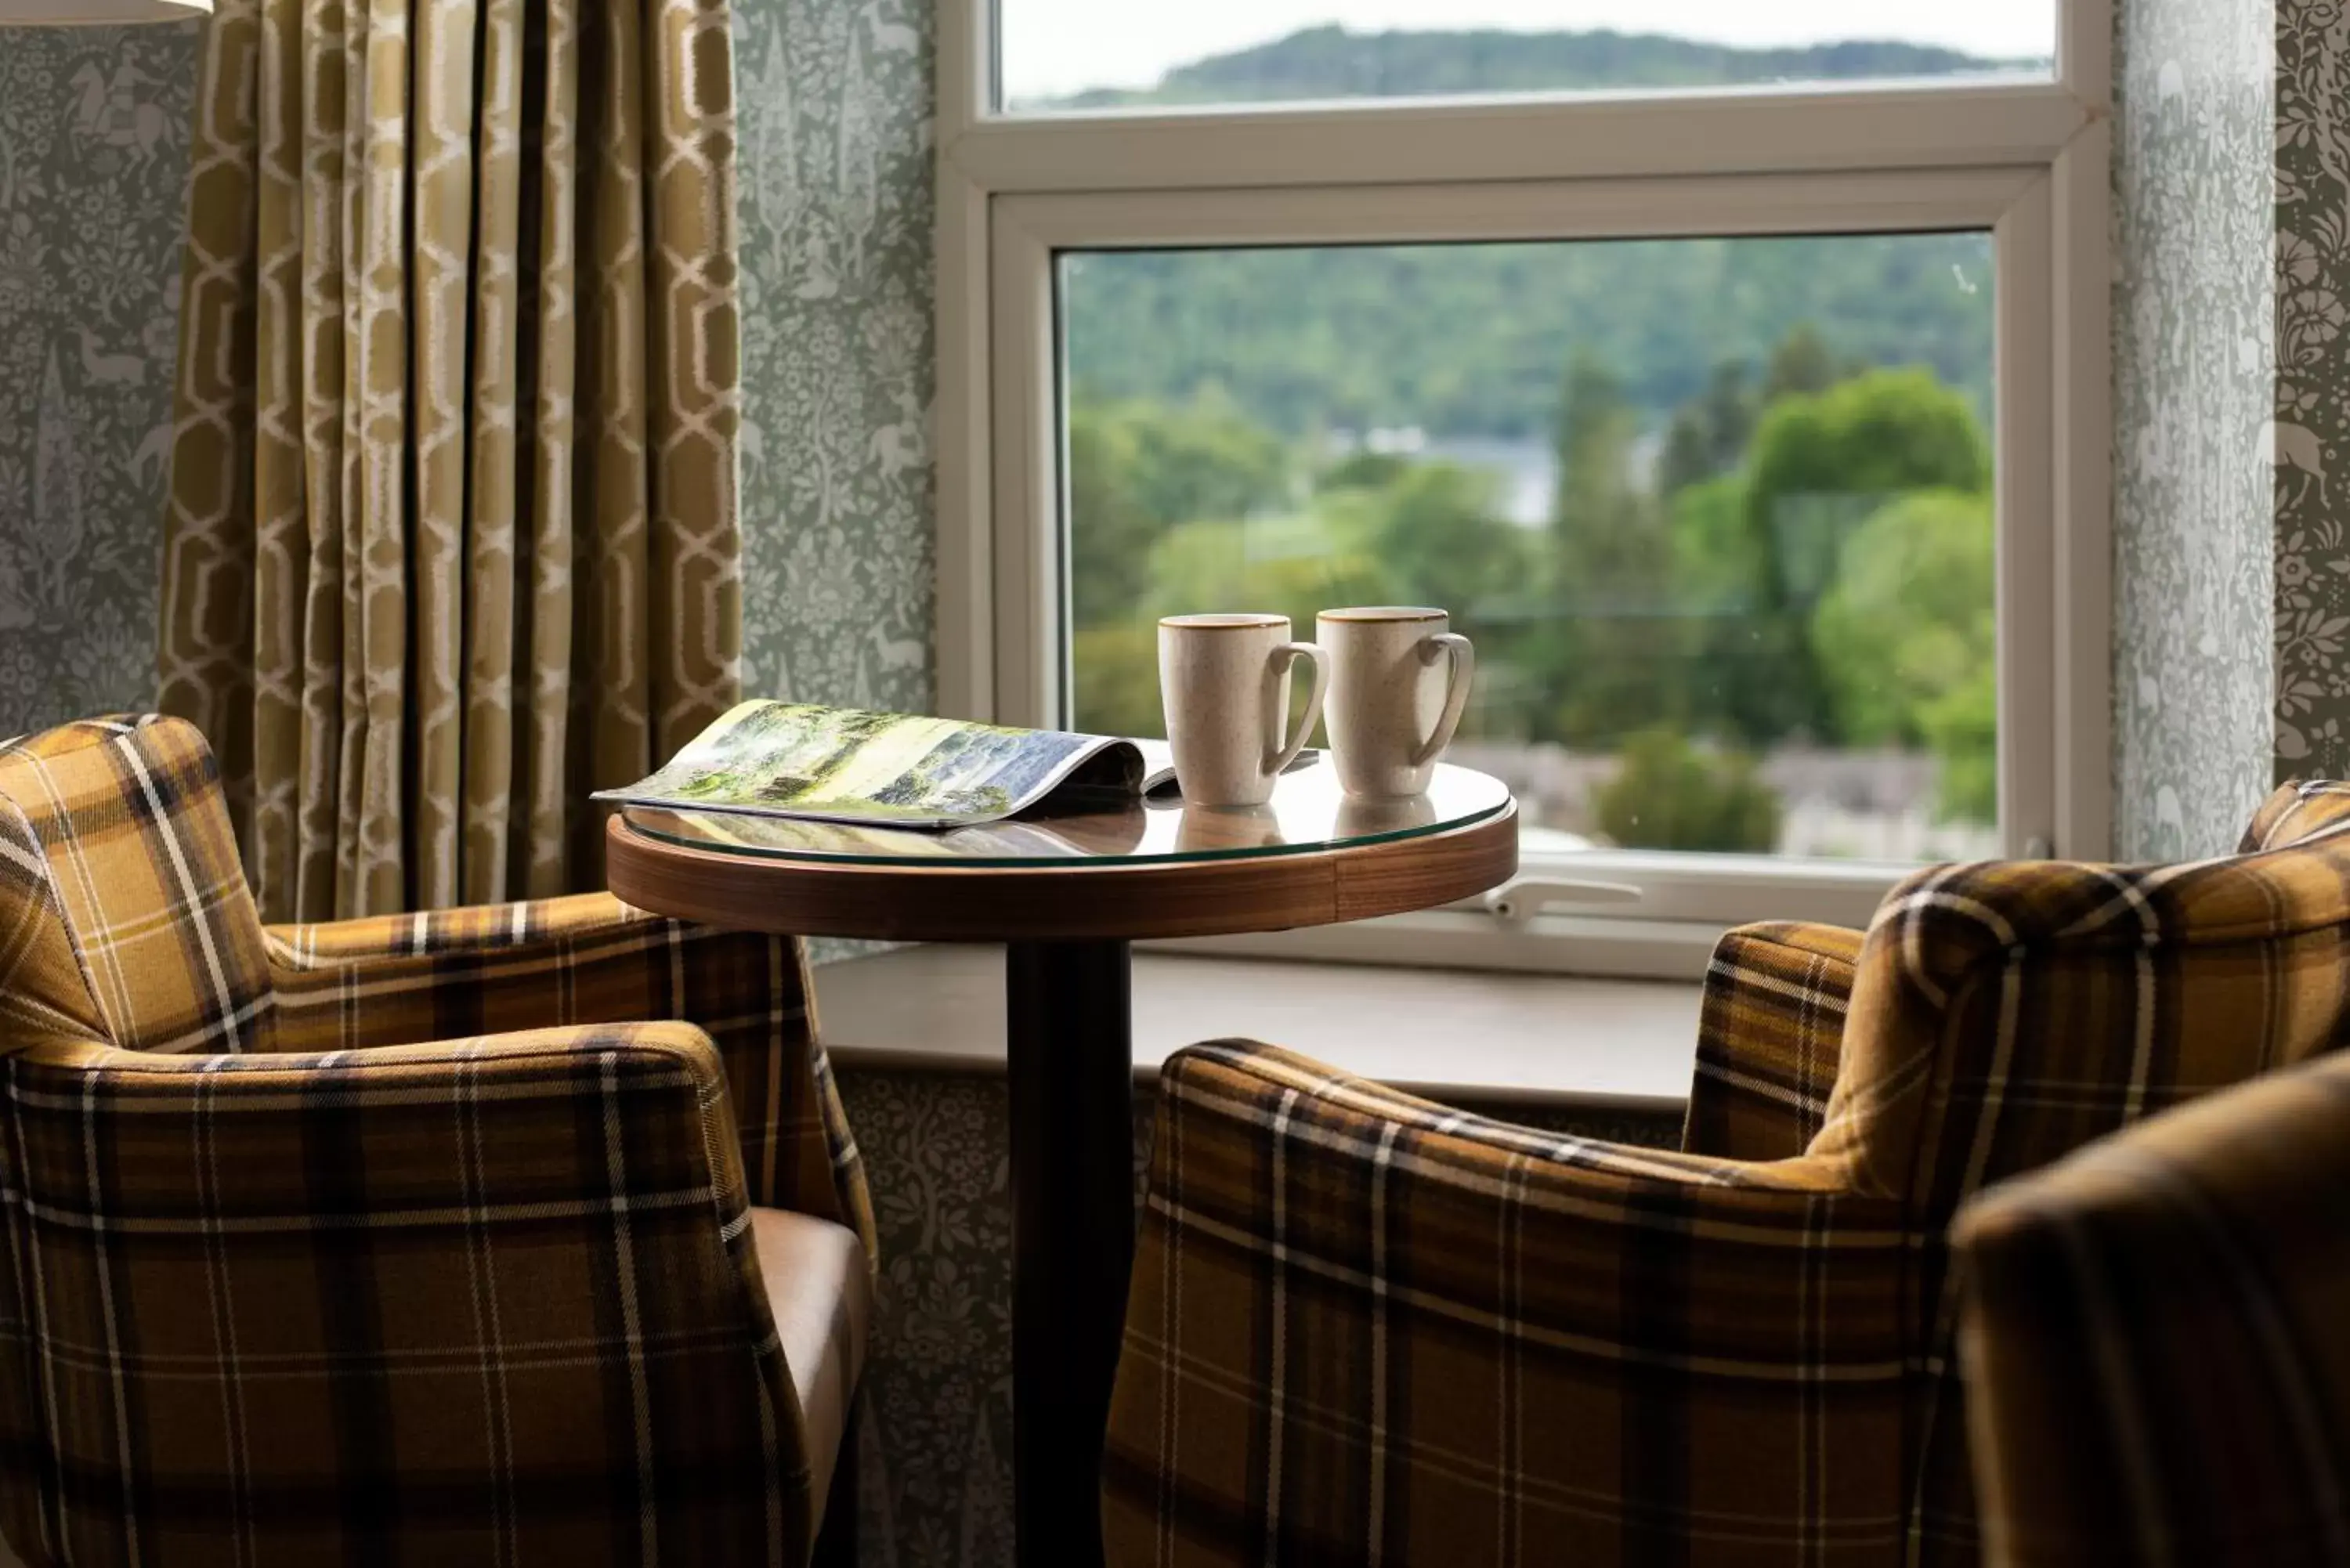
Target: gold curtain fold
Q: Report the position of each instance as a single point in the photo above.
(453, 536)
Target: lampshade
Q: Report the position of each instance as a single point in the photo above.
(70, 13)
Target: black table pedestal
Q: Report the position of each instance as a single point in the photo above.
(1070, 1065)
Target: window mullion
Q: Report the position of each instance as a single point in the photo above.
(1484, 141)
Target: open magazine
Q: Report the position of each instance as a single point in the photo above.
(1037, 838)
(887, 770)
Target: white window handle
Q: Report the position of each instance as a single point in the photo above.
(1521, 900)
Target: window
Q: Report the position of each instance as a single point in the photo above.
(1732, 586)
(1758, 437)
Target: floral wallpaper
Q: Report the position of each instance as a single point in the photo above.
(2192, 356)
(93, 181)
(836, 103)
(2313, 389)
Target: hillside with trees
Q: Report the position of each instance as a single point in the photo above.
(1810, 568)
(1472, 338)
(1662, 313)
(1336, 62)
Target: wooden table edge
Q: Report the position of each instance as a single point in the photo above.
(929, 902)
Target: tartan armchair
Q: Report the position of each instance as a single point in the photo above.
(527, 1234)
(2154, 1339)
(1367, 1328)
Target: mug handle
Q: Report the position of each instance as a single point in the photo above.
(1456, 691)
(1289, 653)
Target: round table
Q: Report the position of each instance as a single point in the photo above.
(1067, 887)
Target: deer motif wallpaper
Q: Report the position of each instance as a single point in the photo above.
(2194, 531)
(834, 102)
(93, 184)
(2310, 438)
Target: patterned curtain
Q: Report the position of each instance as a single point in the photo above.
(452, 533)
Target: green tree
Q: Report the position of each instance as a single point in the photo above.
(1611, 659)
(1110, 561)
(1908, 640)
(1715, 567)
(1802, 365)
(1909, 618)
(1881, 433)
(1206, 459)
(1286, 566)
(1715, 563)
(1821, 466)
(1140, 468)
(1671, 795)
(1363, 470)
(1598, 503)
(1962, 728)
(1437, 532)
(1116, 679)
(1709, 433)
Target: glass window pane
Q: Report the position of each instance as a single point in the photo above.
(1063, 55)
(1717, 512)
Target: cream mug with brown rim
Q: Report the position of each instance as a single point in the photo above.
(1399, 677)
(1225, 683)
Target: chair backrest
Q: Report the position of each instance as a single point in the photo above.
(2004, 1014)
(123, 907)
(2153, 1333)
(2296, 813)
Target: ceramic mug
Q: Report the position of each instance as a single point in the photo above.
(1225, 683)
(1399, 677)
(1364, 816)
(1207, 828)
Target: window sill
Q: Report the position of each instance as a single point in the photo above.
(1496, 1038)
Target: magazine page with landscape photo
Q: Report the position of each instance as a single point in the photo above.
(894, 769)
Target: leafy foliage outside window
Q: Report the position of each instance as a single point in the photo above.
(1674, 795)
(1795, 559)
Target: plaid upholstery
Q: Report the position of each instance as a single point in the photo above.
(1365, 1328)
(2154, 1334)
(2295, 811)
(590, 959)
(124, 903)
(1767, 1033)
(419, 1239)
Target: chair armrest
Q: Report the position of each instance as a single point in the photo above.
(475, 1274)
(1449, 1337)
(590, 959)
(1769, 1033)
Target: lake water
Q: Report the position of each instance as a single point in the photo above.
(1527, 470)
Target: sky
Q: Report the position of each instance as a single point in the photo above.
(1056, 47)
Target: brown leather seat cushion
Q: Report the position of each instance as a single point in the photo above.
(822, 1296)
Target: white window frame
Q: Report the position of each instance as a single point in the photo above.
(2026, 160)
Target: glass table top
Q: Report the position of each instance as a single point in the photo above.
(1307, 813)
